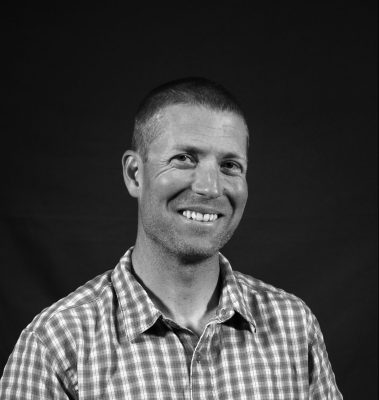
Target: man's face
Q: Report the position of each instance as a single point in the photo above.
(193, 186)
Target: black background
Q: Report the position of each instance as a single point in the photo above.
(306, 75)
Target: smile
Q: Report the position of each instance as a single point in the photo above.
(199, 216)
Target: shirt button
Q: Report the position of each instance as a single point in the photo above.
(198, 358)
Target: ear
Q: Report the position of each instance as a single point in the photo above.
(131, 166)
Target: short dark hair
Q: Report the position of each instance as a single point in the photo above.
(193, 91)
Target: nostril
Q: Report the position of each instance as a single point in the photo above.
(207, 186)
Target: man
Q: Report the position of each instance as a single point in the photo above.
(172, 320)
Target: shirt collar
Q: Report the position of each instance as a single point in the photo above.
(140, 312)
(232, 296)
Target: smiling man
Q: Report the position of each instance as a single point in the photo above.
(173, 320)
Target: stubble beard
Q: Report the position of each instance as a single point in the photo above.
(186, 251)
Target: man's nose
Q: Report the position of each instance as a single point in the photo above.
(207, 180)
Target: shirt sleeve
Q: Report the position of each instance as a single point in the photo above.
(322, 383)
(31, 373)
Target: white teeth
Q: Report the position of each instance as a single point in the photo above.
(199, 216)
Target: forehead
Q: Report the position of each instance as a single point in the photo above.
(193, 124)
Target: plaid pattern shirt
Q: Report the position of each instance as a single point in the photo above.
(107, 340)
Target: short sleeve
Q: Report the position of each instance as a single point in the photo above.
(31, 373)
(322, 383)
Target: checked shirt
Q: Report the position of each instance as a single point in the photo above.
(107, 340)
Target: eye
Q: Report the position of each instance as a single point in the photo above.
(183, 160)
(232, 167)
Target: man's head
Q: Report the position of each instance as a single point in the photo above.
(192, 91)
(188, 168)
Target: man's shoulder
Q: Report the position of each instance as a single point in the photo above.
(266, 296)
(258, 286)
(85, 299)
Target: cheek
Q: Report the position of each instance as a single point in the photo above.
(169, 185)
(238, 193)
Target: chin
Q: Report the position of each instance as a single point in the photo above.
(196, 254)
(192, 252)
(189, 248)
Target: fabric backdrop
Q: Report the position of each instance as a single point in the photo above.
(306, 75)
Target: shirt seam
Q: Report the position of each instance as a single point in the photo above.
(54, 359)
(95, 299)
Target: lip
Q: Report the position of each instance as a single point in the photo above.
(200, 209)
(200, 223)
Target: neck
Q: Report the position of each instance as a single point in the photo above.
(187, 292)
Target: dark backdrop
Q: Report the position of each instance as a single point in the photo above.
(307, 78)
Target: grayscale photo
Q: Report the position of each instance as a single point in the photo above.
(189, 204)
